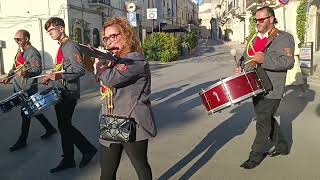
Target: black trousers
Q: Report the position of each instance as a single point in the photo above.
(25, 126)
(69, 134)
(136, 151)
(267, 127)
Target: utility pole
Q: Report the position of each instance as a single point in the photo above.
(152, 19)
(284, 17)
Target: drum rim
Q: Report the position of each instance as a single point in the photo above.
(242, 98)
(238, 75)
(210, 87)
(222, 106)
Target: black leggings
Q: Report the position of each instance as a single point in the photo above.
(136, 151)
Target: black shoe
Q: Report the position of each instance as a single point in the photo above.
(275, 153)
(86, 157)
(63, 165)
(49, 133)
(18, 145)
(250, 164)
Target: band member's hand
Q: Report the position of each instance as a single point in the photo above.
(107, 63)
(46, 79)
(100, 68)
(22, 73)
(103, 65)
(51, 77)
(258, 57)
(5, 81)
(237, 70)
(55, 76)
(252, 63)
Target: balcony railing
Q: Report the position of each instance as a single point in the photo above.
(251, 3)
(230, 6)
(106, 2)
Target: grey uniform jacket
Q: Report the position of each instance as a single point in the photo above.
(74, 69)
(129, 78)
(33, 60)
(278, 59)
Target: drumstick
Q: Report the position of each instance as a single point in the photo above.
(5, 83)
(29, 84)
(42, 75)
(15, 73)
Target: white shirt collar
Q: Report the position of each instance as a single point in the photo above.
(261, 36)
(265, 35)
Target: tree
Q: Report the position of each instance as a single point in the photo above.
(301, 21)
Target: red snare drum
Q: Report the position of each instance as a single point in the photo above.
(231, 90)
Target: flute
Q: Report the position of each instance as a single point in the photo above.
(96, 53)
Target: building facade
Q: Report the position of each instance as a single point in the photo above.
(84, 20)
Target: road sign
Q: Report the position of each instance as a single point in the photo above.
(131, 7)
(132, 18)
(152, 13)
(306, 58)
(284, 2)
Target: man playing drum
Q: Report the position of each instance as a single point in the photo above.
(271, 50)
(68, 59)
(27, 64)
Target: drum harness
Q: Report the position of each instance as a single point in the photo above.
(273, 35)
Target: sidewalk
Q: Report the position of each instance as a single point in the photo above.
(315, 78)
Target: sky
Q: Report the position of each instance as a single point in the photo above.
(198, 1)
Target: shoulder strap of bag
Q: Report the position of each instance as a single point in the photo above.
(145, 84)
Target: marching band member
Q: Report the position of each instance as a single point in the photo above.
(27, 64)
(68, 59)
(126, 83)
(271, 50)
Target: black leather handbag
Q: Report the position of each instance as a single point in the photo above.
(117, 128)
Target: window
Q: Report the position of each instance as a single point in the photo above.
(96, 38)
(86, 36)
(77, 35)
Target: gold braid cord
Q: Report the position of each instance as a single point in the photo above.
(107, 96)
(272, 32)
(250, 46)
(58, 67)
(20, 66)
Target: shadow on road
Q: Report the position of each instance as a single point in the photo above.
(215, 140)
(290, 108)
(172, 110)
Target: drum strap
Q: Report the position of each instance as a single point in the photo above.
(265, 80)
(273, 34)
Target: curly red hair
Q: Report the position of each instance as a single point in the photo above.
(128, 33)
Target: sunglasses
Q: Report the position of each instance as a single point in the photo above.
(18, 39)
(260, 20)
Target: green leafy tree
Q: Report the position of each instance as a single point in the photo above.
(252, 28)
(191, 39)
(301, 21)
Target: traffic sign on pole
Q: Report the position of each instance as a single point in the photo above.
(152, 13)
(283, 2)
(132, 18)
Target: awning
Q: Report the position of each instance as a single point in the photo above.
(172, 28)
